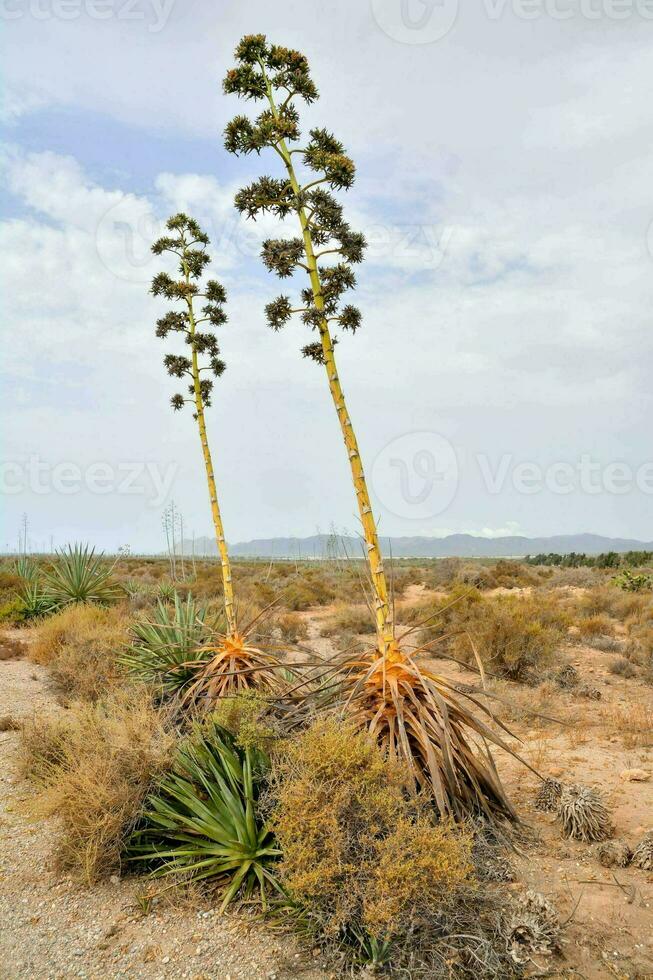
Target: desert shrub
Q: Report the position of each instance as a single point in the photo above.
(596, 625)
(608, 644)
(348, 619)
(13, 611)
(639, 647)
(608, 600)
(10, 583)
(202, 819)
(622, 668)
(365, 866)
(81, 644)
(478, 576)
(515, 636)
(311, 589)
(512, 574)
(441, 615)
(292, 627)
(93, 767)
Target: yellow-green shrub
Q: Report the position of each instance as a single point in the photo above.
(359, 857)
(515, 636)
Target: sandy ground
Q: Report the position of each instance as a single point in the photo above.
(49, 927)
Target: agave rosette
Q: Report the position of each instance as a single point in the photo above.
(423, 722)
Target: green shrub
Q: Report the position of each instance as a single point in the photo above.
(631, 582)
(13, 611)
(348, 619)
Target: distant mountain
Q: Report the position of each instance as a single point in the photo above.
(454, 545)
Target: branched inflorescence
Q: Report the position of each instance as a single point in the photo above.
(281, 76)
(188, 242)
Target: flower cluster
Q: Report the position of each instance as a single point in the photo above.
(279, 76)
(189, 245)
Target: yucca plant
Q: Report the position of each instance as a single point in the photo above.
(414, 714)
(166, 649)
(202, 821)
(236, 662)
(79, 575)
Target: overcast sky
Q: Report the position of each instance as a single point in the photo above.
(501, 382)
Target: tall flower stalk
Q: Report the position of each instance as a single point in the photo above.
(189, 243)
(236, 665)
(278, 76)
(416, 715)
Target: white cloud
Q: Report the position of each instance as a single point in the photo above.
(504, 183)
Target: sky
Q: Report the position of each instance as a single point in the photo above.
(500, 382)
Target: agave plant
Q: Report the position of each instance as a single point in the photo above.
(202, 820)
(167, 649)
(166, 591)
(79, 575)
(235, 656)
(419, 720)
(34, 600)
(413, 713)
(26, 568)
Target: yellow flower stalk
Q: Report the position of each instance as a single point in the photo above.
(416, 715)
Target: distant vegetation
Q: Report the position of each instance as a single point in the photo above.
(609, 559)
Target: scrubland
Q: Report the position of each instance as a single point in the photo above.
(359, 874)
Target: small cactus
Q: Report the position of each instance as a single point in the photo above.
(567, 676)
(548, 796)
(643, 853)
(589, 692)
(613, 853)
(531, 928)
(583, 814)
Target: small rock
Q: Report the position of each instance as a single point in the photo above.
(635, 776)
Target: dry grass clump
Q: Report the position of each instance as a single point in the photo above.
(93, 767)
(622, 668)
(348, 619)
(594, 626)
(632, 723)
(80, 645)
(292, 627)
(583, 814)
(358, 857)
